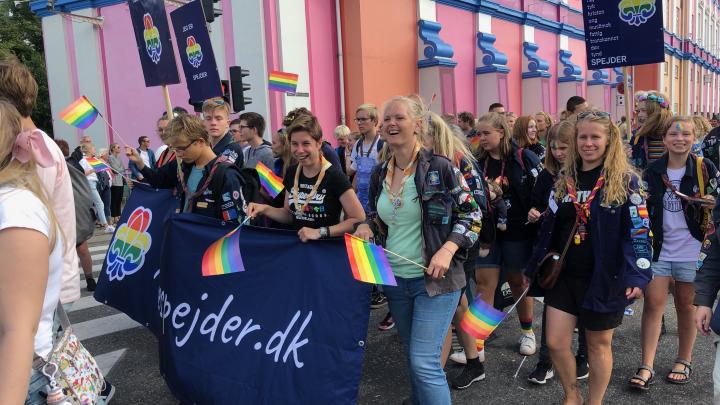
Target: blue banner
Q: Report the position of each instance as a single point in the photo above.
(623, 32)
(152, 35)
(288, 330)
(129, 278)
(196, 53)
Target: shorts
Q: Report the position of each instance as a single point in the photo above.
(510, 255)
(680, 271)
(568, 295)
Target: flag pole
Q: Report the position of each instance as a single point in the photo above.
(391, 252)
(168, 103)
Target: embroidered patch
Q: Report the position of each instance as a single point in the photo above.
(236, 195)
(633, 212)
(635, 199)
(534, 172)
(201, 204)
(643, 263)
(226, 197)
(434, 178)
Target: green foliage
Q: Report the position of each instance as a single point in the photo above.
(21, 35)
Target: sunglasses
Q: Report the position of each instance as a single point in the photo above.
(590, 113)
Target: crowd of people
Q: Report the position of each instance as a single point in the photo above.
(588, 213)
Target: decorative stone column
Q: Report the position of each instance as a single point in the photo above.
(535, 81)
(437, 69)
(491, 74)
(599, 91)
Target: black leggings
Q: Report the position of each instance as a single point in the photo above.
(116, 195)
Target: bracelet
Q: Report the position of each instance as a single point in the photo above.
(451, 252)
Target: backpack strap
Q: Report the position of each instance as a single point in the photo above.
(520, 158)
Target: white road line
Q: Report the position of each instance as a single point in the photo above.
(100, 248)
(108, 360)
(85, 303)
(103, 326)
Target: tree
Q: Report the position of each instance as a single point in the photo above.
(21, 35)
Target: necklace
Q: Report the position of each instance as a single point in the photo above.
(296, 186)
(396, 198)
(582, 209)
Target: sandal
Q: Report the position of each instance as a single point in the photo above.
(644, 383)
(687, 371)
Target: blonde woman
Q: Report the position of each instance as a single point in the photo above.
(544, 122)
(342, 137)
(597, 208)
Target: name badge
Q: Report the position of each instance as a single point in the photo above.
(201, 204)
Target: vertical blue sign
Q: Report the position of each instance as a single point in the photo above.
(196, 54)
(623, 32)
(152, 36)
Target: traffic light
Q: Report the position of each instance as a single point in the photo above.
(208, 7)
(225, 86)
(197, 105)
(238, 88)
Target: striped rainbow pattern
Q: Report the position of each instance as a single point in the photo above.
(481, 319)
(282, 81)
(269, 180)
(97, 164)
(80, 114)
(223, 256)
(368, 262)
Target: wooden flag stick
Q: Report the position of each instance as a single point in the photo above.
(168, 103)
(628, 96)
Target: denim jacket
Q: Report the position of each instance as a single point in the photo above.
(621, 244)
(449, 213)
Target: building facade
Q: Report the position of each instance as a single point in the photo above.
(461, 54)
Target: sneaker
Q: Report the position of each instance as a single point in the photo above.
(581, 365)
(378, 300)
(459, 357)
(107, 393)
(91, 284)
(542, 373)
(468, 376)
(387, 323)
(109, 229)
(527, 344)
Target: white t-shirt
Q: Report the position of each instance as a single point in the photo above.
(86, 166)
(678, 244)
(145, 158)
(370, 151)
(21, 209)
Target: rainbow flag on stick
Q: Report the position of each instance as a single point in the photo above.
(269, 180)
(481, 319)
(223, 256)
(368, 262)
(97, 164)
(80, 114)
(282, 81)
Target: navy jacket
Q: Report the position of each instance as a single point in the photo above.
(688, 185)
(232, 152)
(134, 171)
(621, 259)
(707, 278)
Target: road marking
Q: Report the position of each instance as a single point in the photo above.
(107, 361)
(85, 303)
(103, 326)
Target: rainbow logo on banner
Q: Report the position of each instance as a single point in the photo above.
(194, 52)
(269, 180)
(153, 46)
(282, 81)
(223, 256)
(126, 254)
(636, 12)
(368, 262)
(481, 319)
(80, 114)
(97, 164)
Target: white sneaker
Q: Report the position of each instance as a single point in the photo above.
(459, 357)
(527, 344)
(109, 229)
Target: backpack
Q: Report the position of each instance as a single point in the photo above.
(378, 145)
(84, 214)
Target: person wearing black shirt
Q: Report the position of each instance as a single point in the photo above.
(316, 192)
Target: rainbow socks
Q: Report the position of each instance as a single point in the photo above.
(526, 326)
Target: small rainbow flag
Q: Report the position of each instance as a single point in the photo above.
(223, 256)
(368, 262)
(269, 180)
(97, 164)
(281, 81)
(475, 143)
(80, 114)
(481, 319)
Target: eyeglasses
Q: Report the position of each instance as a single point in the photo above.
(183, 148)
(362, 119)
(589, 113)
(243, 126)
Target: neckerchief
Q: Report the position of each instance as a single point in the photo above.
(396, 198)
(583, 209)
(296, 186)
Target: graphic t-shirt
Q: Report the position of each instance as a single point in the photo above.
(678, 244)
(325, 207)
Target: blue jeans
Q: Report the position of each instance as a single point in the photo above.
(422, 323)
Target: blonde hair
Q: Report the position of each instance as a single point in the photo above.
(564, 132)
(499, 123)
(286, 155)
(702, 126)
(546, 117)
(681, 118)
(187, 126)
(445, 142)
(341, 131)
(21, 175)
(370, 109)
(520, 131)
(214, 104)
(416, 110)
(616, 166)
(658, 116)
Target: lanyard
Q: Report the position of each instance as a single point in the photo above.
(204, 186)
(371, 147)
(296, 186)
(499, 178)
(583, 209)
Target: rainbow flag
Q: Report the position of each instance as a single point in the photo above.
(80, 114)
(368, 262)
(481, 319)
(281, 81)
(474, 143)
(97, 164)
(271, 182)
(223, 256)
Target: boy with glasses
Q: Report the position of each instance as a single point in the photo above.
(252, 126)
(146, 155)
(216, 119)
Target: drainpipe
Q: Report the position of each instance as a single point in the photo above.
(341, 73)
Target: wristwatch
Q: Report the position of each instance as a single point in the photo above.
(324, 232)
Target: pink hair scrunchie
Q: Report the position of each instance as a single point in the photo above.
(31, 143)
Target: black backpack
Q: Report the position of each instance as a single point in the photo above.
(84, 214)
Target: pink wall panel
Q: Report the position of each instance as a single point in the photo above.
(137, 107)
(458, 29)
(323, 62)
(548, 43)
(509, 42)
(579, 55)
